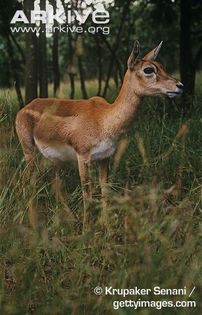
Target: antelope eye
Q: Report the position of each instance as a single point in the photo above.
(149, 70)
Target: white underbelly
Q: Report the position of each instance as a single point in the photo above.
(103, 150)
(65, 152)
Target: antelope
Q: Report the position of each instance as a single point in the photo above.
(88, 130)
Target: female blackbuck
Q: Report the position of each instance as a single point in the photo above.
(88, 130)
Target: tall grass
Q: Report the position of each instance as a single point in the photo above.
(153, 234)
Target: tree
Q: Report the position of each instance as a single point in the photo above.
(55, 55)
(55, 59)
(125, 11)
(42, 58)
(31, 60)
(80, 52)
(190, 51)
(187, 69)
(6, 13)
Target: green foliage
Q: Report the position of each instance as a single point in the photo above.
(153, 234)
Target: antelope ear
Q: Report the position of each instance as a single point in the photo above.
(152, 55)
(133, 57)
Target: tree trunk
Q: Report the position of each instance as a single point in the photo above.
(114, 56)
(56, 68)
(116, 45)
(42, 57)
(82, 79)
(31, 60)
(99, 54)
(72, 84)
(71, 68)
(187, 68)
(18, 47)
(14, 72)
(55, 56)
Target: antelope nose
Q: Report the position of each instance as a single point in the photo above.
(180, 86)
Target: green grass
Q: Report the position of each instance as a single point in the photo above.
(153, 235)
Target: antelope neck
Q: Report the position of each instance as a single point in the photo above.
(123, 110)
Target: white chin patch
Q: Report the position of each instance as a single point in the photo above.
(171, 95)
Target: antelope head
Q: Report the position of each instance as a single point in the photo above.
(148, 77)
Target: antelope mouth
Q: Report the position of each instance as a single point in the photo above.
(172, 94)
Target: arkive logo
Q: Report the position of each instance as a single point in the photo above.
(94, 9)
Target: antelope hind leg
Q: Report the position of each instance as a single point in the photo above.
(103, 179)
(84, 166)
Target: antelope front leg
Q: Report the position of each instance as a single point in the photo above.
(84, 173)
(103, 178)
